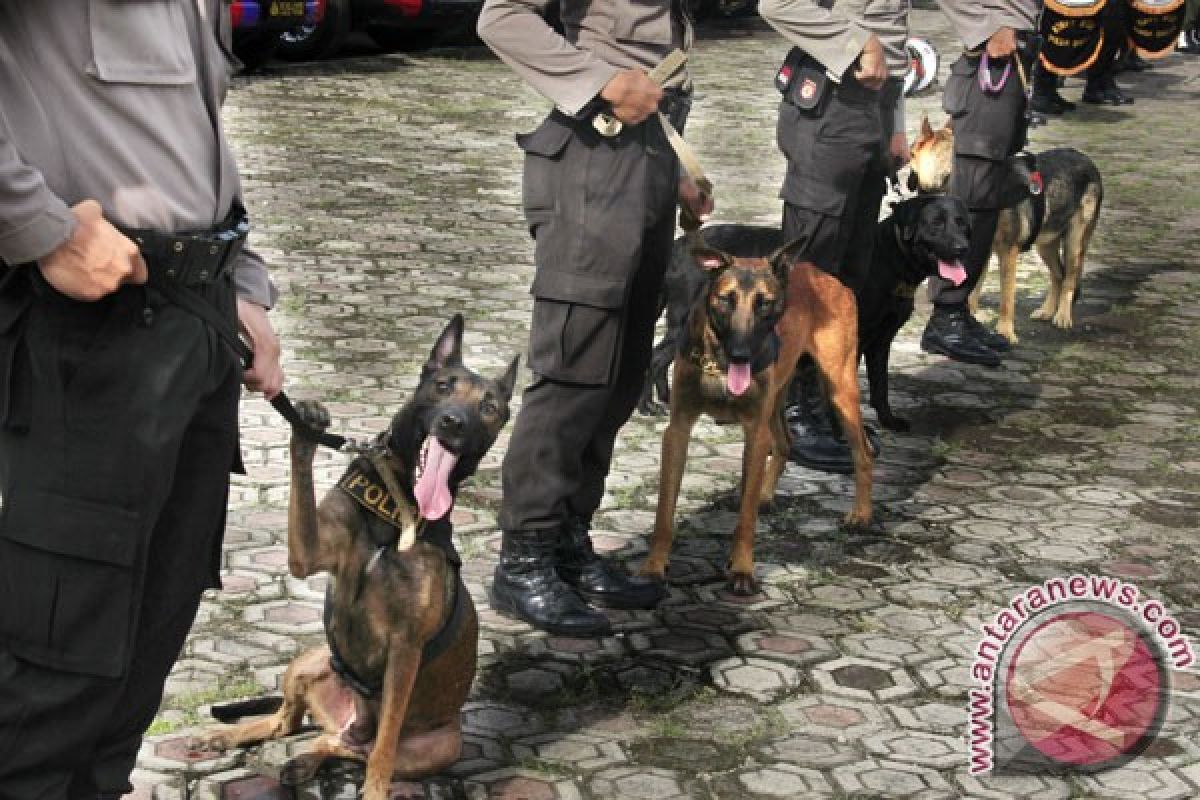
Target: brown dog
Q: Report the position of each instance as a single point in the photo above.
(1058, 221)
(747, 328)
(402, 633)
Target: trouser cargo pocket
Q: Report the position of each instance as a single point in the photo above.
(67, 581)
(576, 327)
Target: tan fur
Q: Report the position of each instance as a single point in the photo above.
(1063, 253)
(820, 318)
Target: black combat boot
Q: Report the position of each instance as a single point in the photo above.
(817, 440)
(1045, 98)
(949, 333)
(600, 582)
(526, 585)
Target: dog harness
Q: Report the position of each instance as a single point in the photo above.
(383, 521)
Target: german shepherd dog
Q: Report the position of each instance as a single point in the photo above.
(922, 236)
(1058, 221)
(402, 632)
(745, 330)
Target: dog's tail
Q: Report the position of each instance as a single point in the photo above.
(252, 707)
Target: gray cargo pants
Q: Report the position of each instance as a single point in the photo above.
(988, 128)
(602, 214)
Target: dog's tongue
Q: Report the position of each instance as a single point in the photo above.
(952, 272)
(433, 487)
(738, 378)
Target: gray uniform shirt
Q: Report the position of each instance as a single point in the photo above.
(602, 38)
(117, 101)
(835, 33)
(975, 22)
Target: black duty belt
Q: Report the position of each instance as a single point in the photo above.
(193, 258)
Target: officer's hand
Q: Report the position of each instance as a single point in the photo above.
(698, 202)
(95, 261)
(1002, 44)
(265, 374)
(898, 149)
(632, 95)
(872, 65)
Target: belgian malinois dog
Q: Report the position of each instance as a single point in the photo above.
(389, 686)
(1059, 219)
(748, 326)
(922, 236)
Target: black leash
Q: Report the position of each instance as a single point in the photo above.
(198, 306)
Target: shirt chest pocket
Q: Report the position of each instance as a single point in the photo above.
(141, 41)
(643, 21)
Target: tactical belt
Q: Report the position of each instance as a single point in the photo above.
(193, 258)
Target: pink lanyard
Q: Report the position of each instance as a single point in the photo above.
(985, 75)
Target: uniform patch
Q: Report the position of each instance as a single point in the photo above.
(808, 89)
(360, 484)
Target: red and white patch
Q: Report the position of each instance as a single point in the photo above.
(808, 89)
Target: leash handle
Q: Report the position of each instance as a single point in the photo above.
(985, 74)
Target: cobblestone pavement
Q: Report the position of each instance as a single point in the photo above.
(386, 194)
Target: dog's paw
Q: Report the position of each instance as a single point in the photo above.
(654, 571)
(1008, 332)
(1041, 313)
(742, 584)
(313, 413)
(856, 522)
(1063, 320)
(893, 423)
(210, 742)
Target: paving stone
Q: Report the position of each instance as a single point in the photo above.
(847, 673)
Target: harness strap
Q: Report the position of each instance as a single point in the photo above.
(437, 645)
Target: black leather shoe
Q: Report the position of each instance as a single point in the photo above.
(598, 581)
(527, 586)
(986, 336)
(948, 334)
(816, 442)
(1106, 96)
(1049, 101)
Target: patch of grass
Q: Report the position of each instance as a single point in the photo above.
(551, 768)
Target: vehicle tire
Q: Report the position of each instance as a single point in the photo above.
(254, 50)
(311, 42)
(406, 39)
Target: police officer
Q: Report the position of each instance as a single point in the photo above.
(986, 98)
(118, 409)
(841, 128)
(601, 210)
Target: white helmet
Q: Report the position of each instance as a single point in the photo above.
(923, 59)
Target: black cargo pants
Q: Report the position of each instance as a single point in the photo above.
(118, 429)
(602, 213)
(988, 129)
(836, 174)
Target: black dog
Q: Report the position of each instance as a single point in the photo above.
(923, 236)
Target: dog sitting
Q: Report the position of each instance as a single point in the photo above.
(922, 236)
(747, 325)
(402, 632)
(1057, 216)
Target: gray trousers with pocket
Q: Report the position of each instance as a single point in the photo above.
(602, 214)
(118, 430)
(836, 175)
(988, 129)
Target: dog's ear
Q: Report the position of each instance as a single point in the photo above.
(906, 216)
(783, 258)
(508, 380)
(447, 351)
(926, 129)
(711, 260)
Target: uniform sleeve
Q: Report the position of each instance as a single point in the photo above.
(33, 219)
(517, 32)
(825, 34)
(976, 22)
(251, 280)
